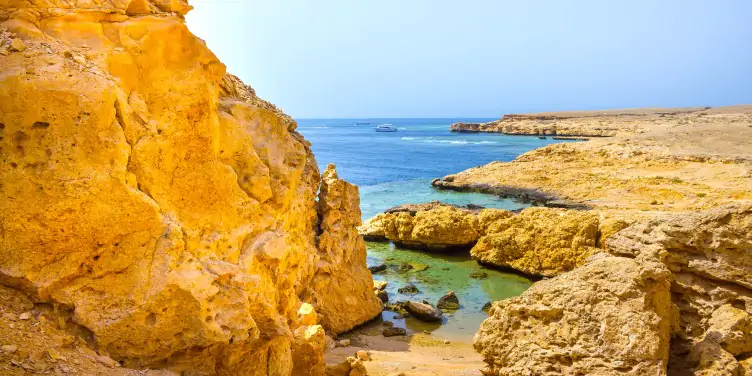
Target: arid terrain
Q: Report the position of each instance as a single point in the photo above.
(695, 161)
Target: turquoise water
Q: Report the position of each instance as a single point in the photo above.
(396, 168)
(443, 273)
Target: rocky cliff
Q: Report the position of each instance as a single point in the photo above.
(158, 204)
(605, 123)
(675, 298)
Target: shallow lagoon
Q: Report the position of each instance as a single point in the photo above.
(444, 272)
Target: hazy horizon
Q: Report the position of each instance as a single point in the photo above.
(483, 58)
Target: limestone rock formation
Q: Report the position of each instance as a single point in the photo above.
(710, 256)
(540, 241)
(536, 241)
(684, 276)
(160, 201)
(342, 271)
(440, 228)
(611, 316)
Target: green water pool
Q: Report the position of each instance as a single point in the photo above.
(435, 274)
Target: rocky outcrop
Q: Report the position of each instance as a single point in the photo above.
(341, 270)
(540, 242)
(606, 123)
(611, 316)
(439, 228)
(160, 201)
(710, 256)
(680, 276)
(675, 164)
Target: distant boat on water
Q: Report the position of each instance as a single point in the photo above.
(362, 122)
(542, 137)
(385, 128)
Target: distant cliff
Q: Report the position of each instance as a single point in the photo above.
(580, 123)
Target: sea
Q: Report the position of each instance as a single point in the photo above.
(394, 168)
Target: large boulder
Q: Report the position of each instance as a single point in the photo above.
(611, 316)
(539, 241)
(445, 227)
(158, 199)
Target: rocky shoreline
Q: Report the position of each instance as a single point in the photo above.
(582, 124)
(667, 291)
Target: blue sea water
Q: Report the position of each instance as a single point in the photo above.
(396, 168)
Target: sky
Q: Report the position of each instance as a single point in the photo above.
(481, 58)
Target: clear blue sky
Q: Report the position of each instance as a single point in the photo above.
(481, 58)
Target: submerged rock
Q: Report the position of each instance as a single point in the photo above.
(423, 311)
(478, 275)
(394, 331)
(404, 267)
(487, 307)
(382, 295)
(449, 301)
(408, 289)
(377, 268)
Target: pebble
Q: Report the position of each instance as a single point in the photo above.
(17, 44)
(343, 343)
(446, 341)
(363, 355)
(25, 316)
(4, 51)
(9, 348)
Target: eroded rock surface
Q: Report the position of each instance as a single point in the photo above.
(164, 204)
(536, 241)
(611, 316)
(710, 256)
(691, 271)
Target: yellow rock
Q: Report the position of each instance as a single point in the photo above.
(16, 44)
(161, 199)
(539, 241)
(611, 316)
(307, 314)
(342, 288)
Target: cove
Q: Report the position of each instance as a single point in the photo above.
(397, 168)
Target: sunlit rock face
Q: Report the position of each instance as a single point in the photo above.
(674, 296)
(611, 316)
(158, 198)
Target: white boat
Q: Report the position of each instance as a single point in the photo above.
(385, 128)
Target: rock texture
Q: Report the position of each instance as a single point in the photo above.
(440, 228)
(611, 316)
(680, 276)
(710, 256)
(162, 203)
(341, 270)
(540, 242)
